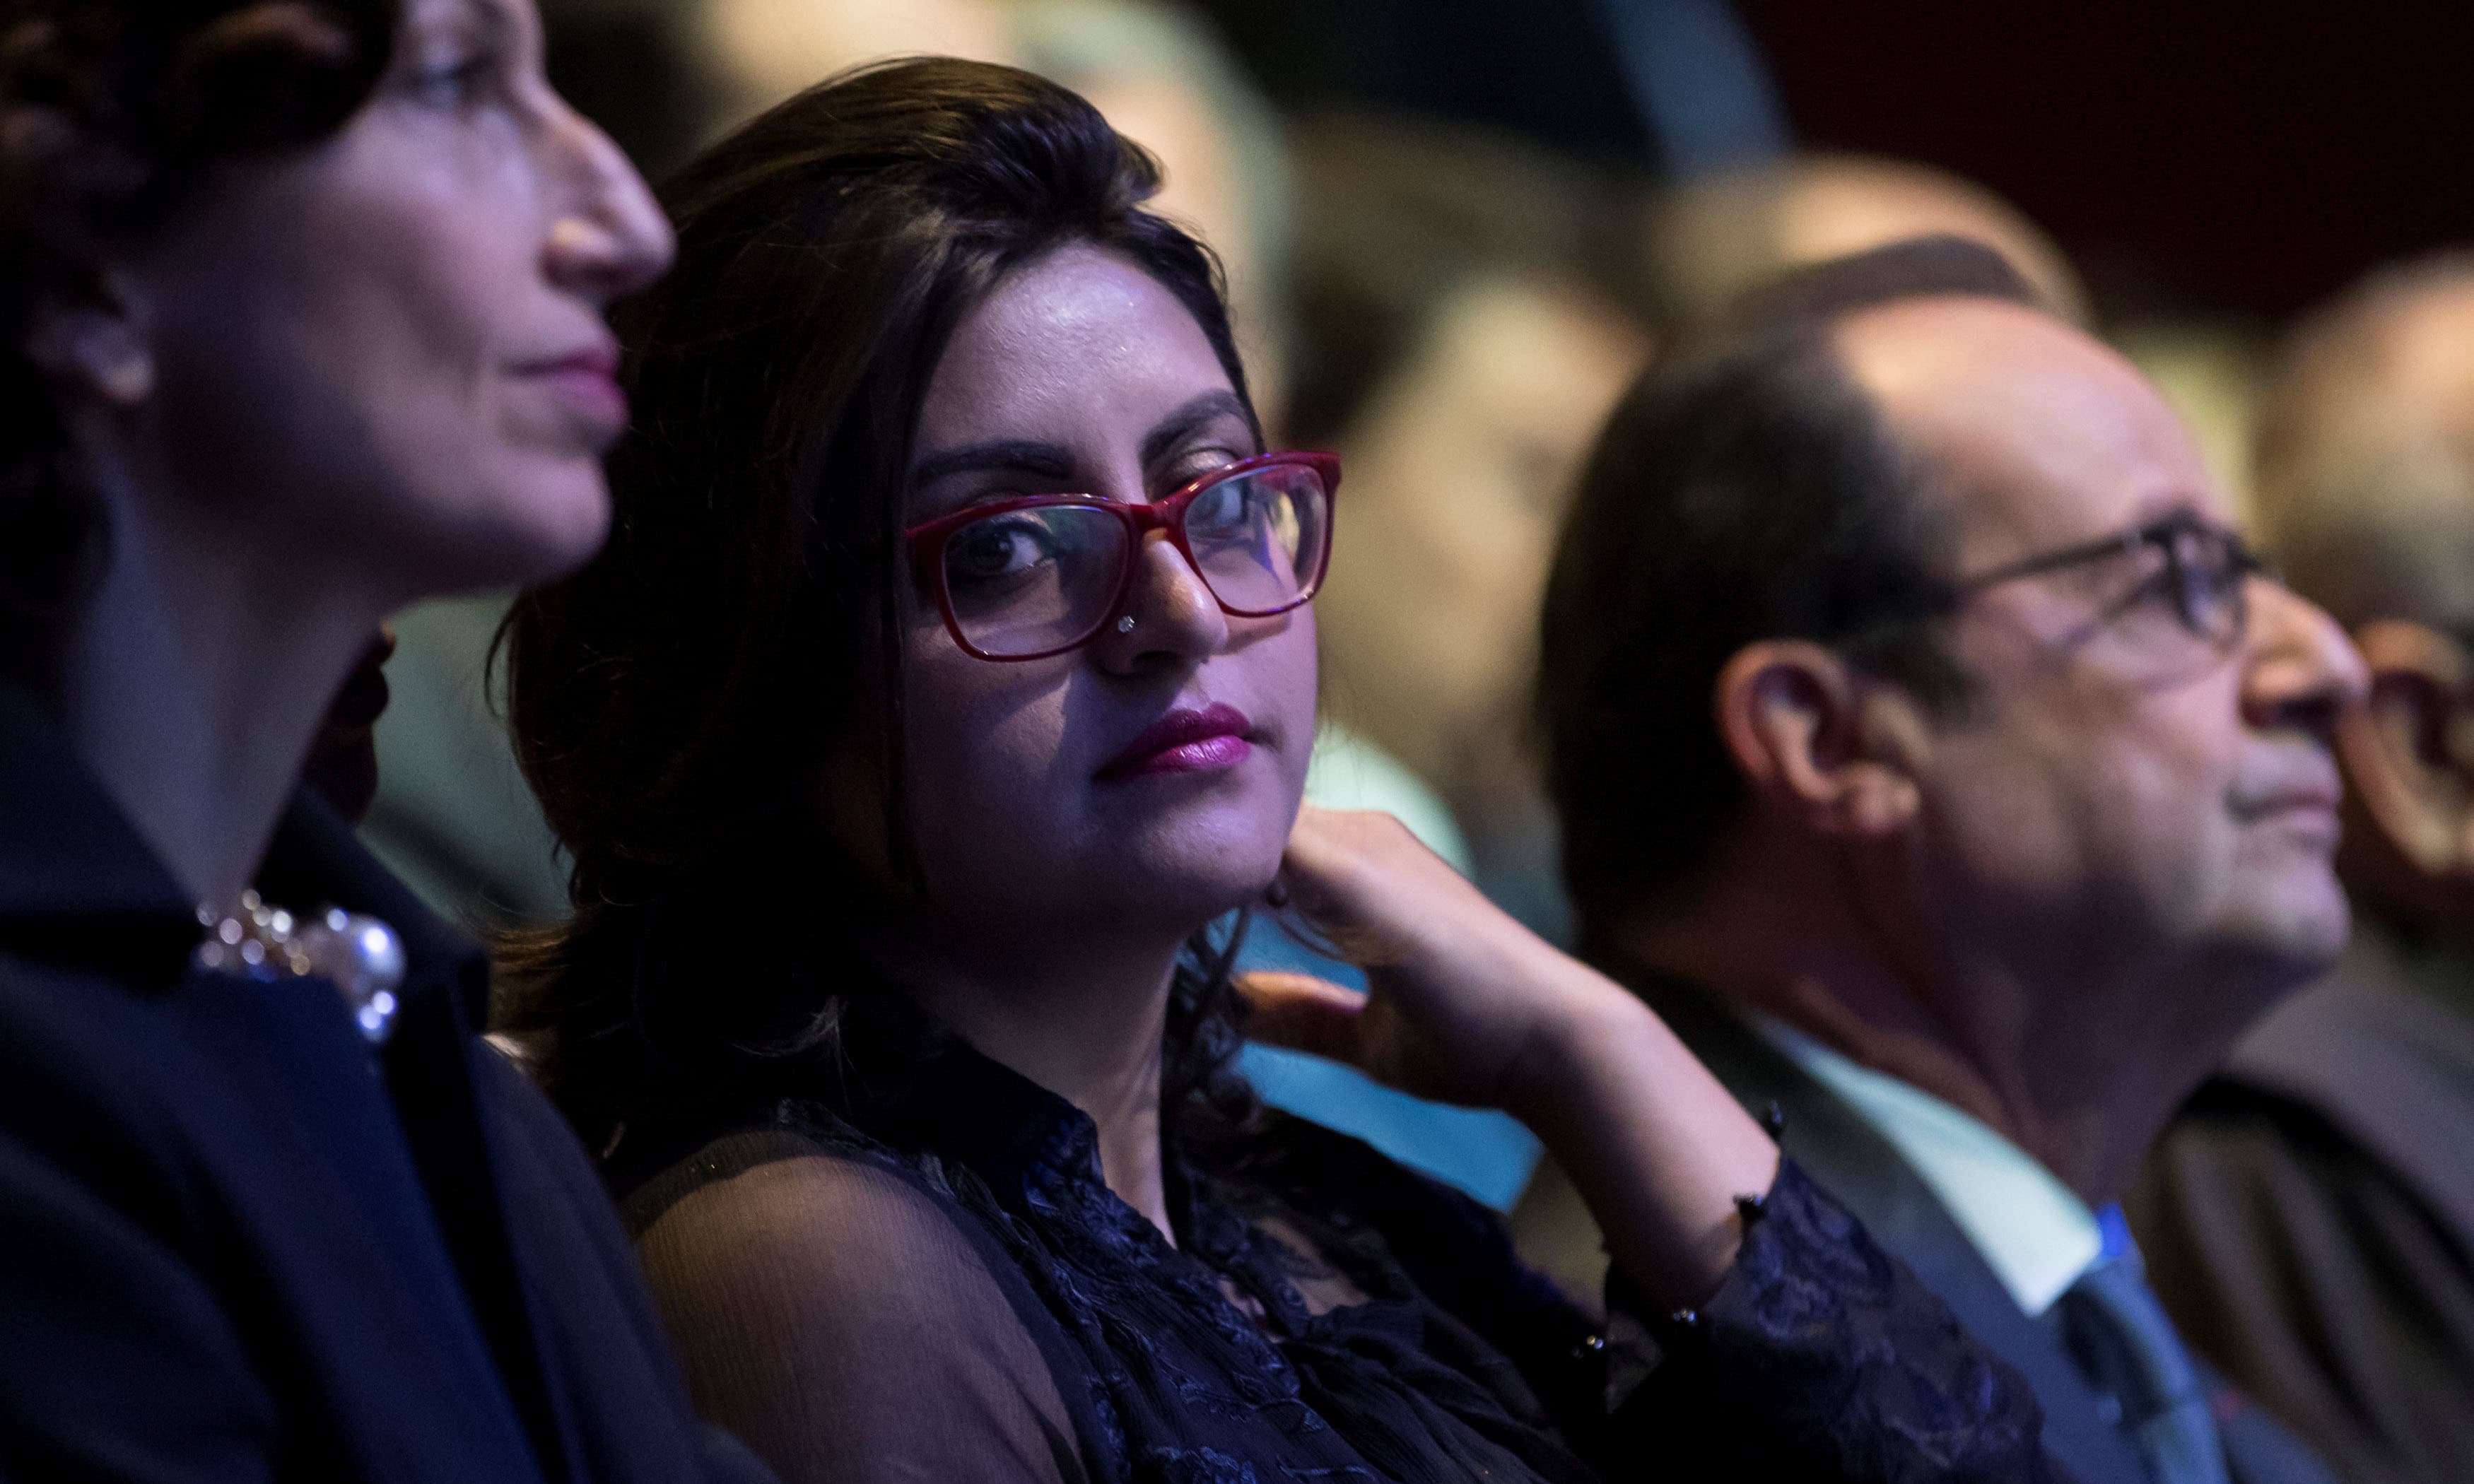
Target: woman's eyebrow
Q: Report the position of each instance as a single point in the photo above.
(1177, 425)
(1018, 456)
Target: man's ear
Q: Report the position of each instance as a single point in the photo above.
(95, 344)
(2403, 756)
(1818, 740)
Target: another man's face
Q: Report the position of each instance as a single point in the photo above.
(2126, 796)
(1459, 470)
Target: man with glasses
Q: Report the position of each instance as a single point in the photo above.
(1938, 762)
(2310, 1218)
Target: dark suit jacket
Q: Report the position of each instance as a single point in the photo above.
(2309, 1219)
(1841, 1151)
(237, 1245)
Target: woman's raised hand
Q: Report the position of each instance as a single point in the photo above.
(1467, 1006)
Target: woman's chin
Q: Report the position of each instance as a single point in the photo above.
(1193, 879)
(529, 529)
(557, 520)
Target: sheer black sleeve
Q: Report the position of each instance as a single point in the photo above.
(831, 1313)
(1819, 1356)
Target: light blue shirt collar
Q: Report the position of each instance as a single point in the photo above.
(2032, 1231)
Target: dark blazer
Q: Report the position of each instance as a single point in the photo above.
(2309, 1219)
(235, 1244)
(1842, 1151)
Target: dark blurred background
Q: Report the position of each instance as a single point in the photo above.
(2205, 155)
(2191, 156)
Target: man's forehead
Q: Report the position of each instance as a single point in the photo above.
(2046, 435)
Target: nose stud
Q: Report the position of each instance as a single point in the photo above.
(1126, 625)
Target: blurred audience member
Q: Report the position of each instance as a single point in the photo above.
(1464, 331)
(763, 51)
(1711, 239)
(1461, 333)
(2209, 371)
(1939, 763)
(1158, 73)
(1164, 78)
(2310, 1218)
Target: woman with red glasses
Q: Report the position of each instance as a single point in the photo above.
(942, 699)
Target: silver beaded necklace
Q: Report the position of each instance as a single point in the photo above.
(361, 956)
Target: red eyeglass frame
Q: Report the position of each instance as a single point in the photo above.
(1166, 514)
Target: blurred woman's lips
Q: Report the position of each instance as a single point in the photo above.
(586, 382)
(1185, 741)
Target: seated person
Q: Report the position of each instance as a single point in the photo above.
(1708, 240)
(951, 669)
(300, 321)
(1464, 331)
(1940, 765)
(2309, 1219)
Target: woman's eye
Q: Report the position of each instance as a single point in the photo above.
(997, 548)
(453, 83)
(1225, 507)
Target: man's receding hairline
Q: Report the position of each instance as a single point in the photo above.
(1841, 331)
(1838, 331)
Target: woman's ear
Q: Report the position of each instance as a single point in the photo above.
(94, 345)
(1818, 741)
(2405, 753)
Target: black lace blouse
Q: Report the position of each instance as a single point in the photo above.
(932, 1282)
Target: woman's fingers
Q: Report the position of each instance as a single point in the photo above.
(1304, 1014)
(1364, 879)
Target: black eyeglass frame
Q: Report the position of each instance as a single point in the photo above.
(2165, 535)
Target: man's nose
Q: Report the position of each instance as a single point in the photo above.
(2302, 669)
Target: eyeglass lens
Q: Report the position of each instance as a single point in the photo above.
(2210, 582)
(1257, 537)
(1028, 581)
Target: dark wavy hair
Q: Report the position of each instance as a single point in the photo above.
(1744, 488)
(674, 702)
(110, 113)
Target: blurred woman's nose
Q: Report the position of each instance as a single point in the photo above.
(1174, 617)
(609, 237)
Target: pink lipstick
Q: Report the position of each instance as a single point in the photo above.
(1185, 741)
(587, 381)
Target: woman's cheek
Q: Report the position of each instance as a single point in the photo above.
(985, 742)
(1297, 659)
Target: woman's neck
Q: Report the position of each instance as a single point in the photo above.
(1089, 1028)
(195, 677)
